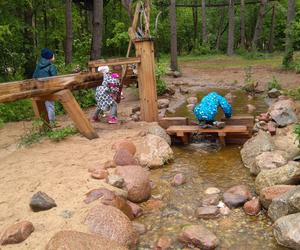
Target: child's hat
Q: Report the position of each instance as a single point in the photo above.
(115, 75)
(47, 53)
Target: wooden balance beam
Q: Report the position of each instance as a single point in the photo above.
(184, 131)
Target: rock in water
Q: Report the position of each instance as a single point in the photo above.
(16, 233)
(211, 199)
(208, 212)
(178, 180)
(73, 240)
(287, 231)
(237, 196)
(41, 201)
(274, 93)
(252, 207)
(163, 243)
(198, 236)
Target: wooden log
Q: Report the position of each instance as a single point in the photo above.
(147, 80)
(75, 112)
(113, 62)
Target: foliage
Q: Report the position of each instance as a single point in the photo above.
(297, 131)
(274, 84)
(201, 49)
(250, 83)
(1, 123)
(16, 111)
(39, 131)
(120, 36)
(294, 93)
(161, 85)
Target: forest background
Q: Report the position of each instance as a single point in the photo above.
(78, 31)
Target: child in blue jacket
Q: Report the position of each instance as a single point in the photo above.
(207, 109)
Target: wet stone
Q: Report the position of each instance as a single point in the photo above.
(212, 190)
(16, 233)
(178, 180)
(237, 196)
(225, 210)
(115, 180)
(252, 207)
(139, 228)
(163, 243)
(209, 200)
(208, 212)
(41, 201)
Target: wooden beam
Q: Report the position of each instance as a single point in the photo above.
(113, 62)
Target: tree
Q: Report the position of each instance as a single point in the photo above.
(97, 29)
(69, 32)
(272, 29)
(289, 49)
(259, 24)
(230, 44)
(174, 65)
(221, 30)
(127, 5)
(243, 29)
(204, 30)
(195, 20)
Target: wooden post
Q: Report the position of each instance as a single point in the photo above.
(39, 109)
(75, 112)
(147, 80)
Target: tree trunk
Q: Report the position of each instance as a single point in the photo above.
(289, 48)
(243, 29)
(29, 39)
(45, 24)
(195, 20)
(127, 5)
(259, 24)
(221, 24)
(231, 25)
(97, 29)
(69, 33)
(174, 65)
(272, 29)
(204, 30)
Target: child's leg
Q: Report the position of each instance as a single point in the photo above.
(96, 114)
(114, 110)
(50, 110)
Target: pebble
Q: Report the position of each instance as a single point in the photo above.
(40, 201)
(212, 190)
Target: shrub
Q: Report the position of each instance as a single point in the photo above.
(16, 111)
(274, 84)
(297, 131)
(161, 85)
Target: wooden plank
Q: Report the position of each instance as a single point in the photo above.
(198, 129)
(75, 112)
(147, 80)
(114, 62)
(166, 122)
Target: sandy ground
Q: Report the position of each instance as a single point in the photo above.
(61, 169)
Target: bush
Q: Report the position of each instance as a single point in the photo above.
(200, 50)
(297, 131)
(161, 85)
(16, 111)
(274, 84)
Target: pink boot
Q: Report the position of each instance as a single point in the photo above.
(112, 120)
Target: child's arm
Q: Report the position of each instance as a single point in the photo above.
(226, 107)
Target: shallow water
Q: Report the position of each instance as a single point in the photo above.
(174, 207)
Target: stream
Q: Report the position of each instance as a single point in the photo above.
(171, 207)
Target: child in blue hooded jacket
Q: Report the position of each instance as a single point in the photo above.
(207, 109)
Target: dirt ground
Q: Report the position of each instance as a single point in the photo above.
(61, 169)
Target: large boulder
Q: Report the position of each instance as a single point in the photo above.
(137, 182)
(125, 144)
(198, 236)
(284, 112)
(155, 129)
(289, 174)
(111, 223)
(267, 161)
(73, 240)
(237, 196)
(288, 203)
(286, 140)
(256, 145)
(287, 231)
(269, 193)
(154, 151)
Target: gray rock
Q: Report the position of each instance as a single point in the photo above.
(284, 112)
(274, 93)
(237, 196)
(41, 201)
(287, 231)
(289, 174)
(163, 103)
(211, 199)
(115, 180)
(155, 129)
(288, 203)
(267, 161)
(258, 144)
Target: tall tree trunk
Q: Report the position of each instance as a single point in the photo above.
(231, 26)
(195, 21)
(97, 29)
(29, 39)
(221, 24)
(243, 28)
(289, 44)
(69, 33)
(174, 65)
(127, 5)
(259, 24)
(272, 29)
(204, 28)
(45, 17)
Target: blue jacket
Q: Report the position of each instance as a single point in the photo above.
(44, 68)
(207, 109)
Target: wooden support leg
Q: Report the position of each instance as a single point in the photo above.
(40, 110)
(222, 138)
(185, 139)
(75, 112)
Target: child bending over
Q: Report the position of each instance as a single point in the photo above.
(106, 96)
(207, 109)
